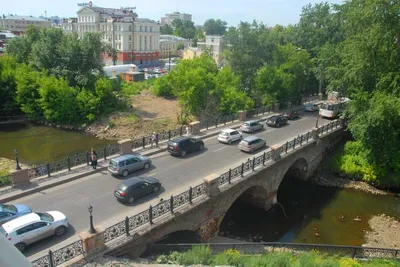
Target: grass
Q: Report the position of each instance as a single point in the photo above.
(134, 88)
(231, 257)
(5, 178)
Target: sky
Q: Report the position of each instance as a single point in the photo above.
(270, 12)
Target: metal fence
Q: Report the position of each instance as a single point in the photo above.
(295, 248)
(84, 157)
(168, 206)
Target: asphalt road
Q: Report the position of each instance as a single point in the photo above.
(176, 175)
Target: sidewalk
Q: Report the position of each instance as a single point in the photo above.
(10, 193)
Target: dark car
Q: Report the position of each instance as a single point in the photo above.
(292, 115)
(136, 187)
(180, 146)
(276, 121)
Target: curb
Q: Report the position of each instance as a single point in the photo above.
(100, 169)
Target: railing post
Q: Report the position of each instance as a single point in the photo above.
(241, 171)
(264, 158)
(69, 163)
(254, 162)
(48, 169)
(301, 140)
(190, 195)
(230, 175)
(127, 226)
(294, 143)
(286, 148)
(181, 131)
(87, 157)
(354, 253)
(51, 260)
(308, 136)
(216, 123)
(206, 124)
(171, 203)
(105, 153)
(144, 142)
(151, 214)
(169, 134)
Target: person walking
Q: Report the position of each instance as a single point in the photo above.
(187, 130)
(153, 138)
(156, 139)
(93, 157)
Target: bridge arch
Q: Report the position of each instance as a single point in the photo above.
(297, 170)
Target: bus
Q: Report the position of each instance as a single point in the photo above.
(333, 108)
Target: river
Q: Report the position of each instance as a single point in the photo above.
(38, 144)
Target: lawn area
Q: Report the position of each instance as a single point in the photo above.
(202, 255)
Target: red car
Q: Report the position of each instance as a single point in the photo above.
(292, 115)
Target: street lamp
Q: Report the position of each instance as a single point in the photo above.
(91, 229)
(316, 123)
(17, 167)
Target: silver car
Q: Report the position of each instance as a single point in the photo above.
(252, 143)
(125, 164)
(251, 126)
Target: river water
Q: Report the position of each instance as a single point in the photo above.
(39, 144)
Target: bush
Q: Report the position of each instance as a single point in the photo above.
(163, 87)
(5, 179)
(134, 88)
(346, 262)
(229, 257)
(197, 255)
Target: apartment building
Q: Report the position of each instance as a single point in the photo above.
(169, 18)
(214, 44)
(136, 39)
(19, 24)
(169, 45)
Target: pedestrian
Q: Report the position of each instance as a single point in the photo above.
(187, 130)
(153, 138)
(156, 140)
(93, 157)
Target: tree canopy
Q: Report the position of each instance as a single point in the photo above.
(215, 27)
(184, 28)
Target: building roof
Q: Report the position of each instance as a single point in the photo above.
(30, 18)
(116, 13)
(172, 37)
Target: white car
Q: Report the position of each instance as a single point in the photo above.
(35, 226)
(229, 135)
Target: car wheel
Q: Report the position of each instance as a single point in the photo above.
(183, 153)
(131, 199)
(201, 147)
(252, 150)
(125, 173)
(60, 231)
(146, 166)
(21, 246)
(229, 142)
(155, 189)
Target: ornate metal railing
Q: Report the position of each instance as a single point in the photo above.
(267, 247)
(60, 256)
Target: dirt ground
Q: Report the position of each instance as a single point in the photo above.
(148, 113)
(7, 165)
(385, 232)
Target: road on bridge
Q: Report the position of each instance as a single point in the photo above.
(176, 175)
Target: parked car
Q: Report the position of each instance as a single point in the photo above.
(251, 126)
(35, 226)
(180, 146)
(252, 143)
(292, 115)
(277, 121)
(9, 212)
(125, 164)
(311, 107)
(131, 189)
(229, 136)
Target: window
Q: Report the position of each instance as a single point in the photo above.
(39, 225)
(4, 215)
(140, 28)
(151, 28)
(130, 28)
(130, 37)
(145, 28)
(25, 229)
(121, 164)
(119, 28)
(130, 47)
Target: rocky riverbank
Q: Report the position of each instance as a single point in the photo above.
(384, 233)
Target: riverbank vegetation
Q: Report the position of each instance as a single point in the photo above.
(202, 255)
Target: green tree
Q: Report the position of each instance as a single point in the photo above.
(166, 29)
(180, 46)
(215, 27)
(28, 84)
(8, 103)
(184, 28)
(112, 53)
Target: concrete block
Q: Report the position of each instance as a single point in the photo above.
(242, 115)
(276, 152)
(125, 146)
(93, 243)
(315, 134)
(20, 177)
(212, 184)
(195, 127)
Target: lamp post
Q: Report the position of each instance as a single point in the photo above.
(17, 167)
(91, 229)
(316, 123)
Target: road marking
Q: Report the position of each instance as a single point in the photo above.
(219, 149)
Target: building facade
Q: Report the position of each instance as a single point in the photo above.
(19, 24)
(171, 45)
(215, 45)
(169, 18)
(135, 39)
(192, 52)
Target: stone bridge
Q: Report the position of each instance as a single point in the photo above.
(258, 186)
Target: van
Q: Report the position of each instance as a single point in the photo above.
(125, 164)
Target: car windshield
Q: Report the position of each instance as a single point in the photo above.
(273, 118)
(8, 208)
(121, 187)
(224, 133)
(45, 217)
(113, 164)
